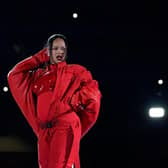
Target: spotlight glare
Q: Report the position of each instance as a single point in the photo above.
(156, 112)
(160, 81)
(5, 88)
(75, 15)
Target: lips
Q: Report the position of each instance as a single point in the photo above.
(59, 57)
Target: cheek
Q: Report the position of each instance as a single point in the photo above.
(52, 54)
(65, 53)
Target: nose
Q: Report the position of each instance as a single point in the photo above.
(60, 51)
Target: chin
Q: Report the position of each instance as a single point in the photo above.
(57, 62)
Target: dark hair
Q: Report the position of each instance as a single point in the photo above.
(53, 37)
(49, 45)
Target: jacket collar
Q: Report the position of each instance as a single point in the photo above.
(57, 66)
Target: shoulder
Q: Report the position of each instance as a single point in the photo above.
(76, 68)
(80, 71)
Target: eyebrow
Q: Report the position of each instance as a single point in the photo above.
(55, 47)
(59, 46)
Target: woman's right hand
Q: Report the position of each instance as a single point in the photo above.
(42, 56)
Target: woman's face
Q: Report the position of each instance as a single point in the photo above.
(58, 51)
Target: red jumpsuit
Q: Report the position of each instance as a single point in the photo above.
(61, 103)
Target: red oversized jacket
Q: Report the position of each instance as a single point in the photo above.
(74, 86)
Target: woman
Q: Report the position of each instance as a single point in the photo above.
(60, 101)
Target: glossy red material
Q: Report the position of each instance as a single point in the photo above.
(64, 93)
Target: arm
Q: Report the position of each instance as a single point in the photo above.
(86, 102)
(30, 63)
(19, 80)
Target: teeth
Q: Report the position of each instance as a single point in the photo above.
(59, 57)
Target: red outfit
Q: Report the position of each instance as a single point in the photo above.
(61, 103)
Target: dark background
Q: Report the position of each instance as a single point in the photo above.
(124, 45)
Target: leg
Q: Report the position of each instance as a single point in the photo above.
(43, 150)
(60, 147)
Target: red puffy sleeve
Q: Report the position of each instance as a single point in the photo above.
(86, 100)
(20, 79)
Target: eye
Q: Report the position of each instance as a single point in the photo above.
(55, 48)
(63, 48)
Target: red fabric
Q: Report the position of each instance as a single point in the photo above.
(58, 147)
(20, 79)
(43, 104)
(65, 92)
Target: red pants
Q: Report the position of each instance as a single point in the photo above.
(58, 147)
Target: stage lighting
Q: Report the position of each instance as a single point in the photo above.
(160, 81)
(75, 15)
(5, 88)
(156, 112)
